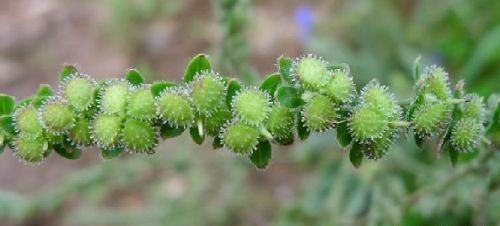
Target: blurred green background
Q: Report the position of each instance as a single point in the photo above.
(310, 183)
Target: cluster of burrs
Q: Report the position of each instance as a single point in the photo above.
(306, 95)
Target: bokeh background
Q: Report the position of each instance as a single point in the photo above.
(309, 183)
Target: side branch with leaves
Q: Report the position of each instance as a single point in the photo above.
(307, 95)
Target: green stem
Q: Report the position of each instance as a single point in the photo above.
(200, 127)
(264, 132)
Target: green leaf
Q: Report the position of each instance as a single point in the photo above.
(134, 77)
(302, 130)
(343, 135)
(7, 124)
(196, 65)
(290, 97)
(67, 151)
(232, 88)
(196, 135)
(67, 71)
(7, 104)
(43, 93)
(262, 156)
(112, 153)
(158, 87)
(454, 155)
(167, 131)
(217, 143)
(285, 65)
(271, 83)
(356, 154)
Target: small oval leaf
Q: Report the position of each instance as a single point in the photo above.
(233, 87)
(157, 87)
(356, 154)
(262, 156)
(134, 77)
(271, 83)
(197, 64)
(167, 131)
(67, 71)
(290, 97)
(195, 135)
(285, 65)
(7, 104)
(343, 135)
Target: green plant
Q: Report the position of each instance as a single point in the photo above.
(307, 96)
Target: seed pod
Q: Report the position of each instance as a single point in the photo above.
(319, 114)
(281, 122)
(26, 121)
(466, 133)
(174, 107)
(30, 149)
(114, 95)
(56, 116)
(311, 72)
(251, 106)
(240, 138)
(141, 104)
(208, 93)
(340, 87)
(106, 130)
(474, 107)
(139, 136)
(434, 80)
(431, 119)
(81, 134)
(78, 91)
(379, 147)
(215, 122)
(368, 123)
(378, 96)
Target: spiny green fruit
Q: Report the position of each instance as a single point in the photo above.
(208, 93)
(27, 121)
(466, 134)
(114, 95)
(434, 80)
(368, 123)
(174, 107)
(215, 122)
(281, 121)
(240, 138)
(474, 107)
(251, 106)
(379, 147)
(319, 114)
(78, 91)
(56, 116)
(81, 134)
(378, 96)
(30, 149)
(139, 136)
(106, 129)
(141, 104)
(311, 72)
(431, 119)
(340, 87)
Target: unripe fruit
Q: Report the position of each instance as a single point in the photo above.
(368, 123)
(474, 107)
(378, 96)
(251, 106)
(30, 149)
(208, 93)
(319, 113)
(215, 122)
(174, 107)
(379, 147)
(280, 122)
(81, 134)
(311, 72)
(27, 121)
(78, 91)
(56, 116)
(466, 134)
(139, 136)
(141, 104)
(107, 130)
(114, 96)
(434, 80)
(340, 87)
(240, 138)
(431, 119)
